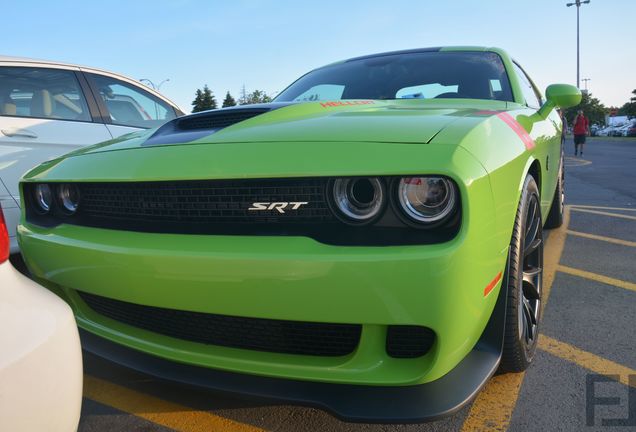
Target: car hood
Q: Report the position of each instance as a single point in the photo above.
(397, 121)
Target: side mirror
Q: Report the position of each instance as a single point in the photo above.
(561, 96)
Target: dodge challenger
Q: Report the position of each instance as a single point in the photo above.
(370, 243)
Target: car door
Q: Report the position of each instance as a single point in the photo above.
(44, 113)
(126, 106)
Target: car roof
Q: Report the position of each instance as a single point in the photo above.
(422, 50)
(26, 60)
(32, 60)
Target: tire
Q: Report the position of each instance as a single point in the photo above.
(524, 282)
(555, 217)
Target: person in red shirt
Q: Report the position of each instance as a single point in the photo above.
(581, 130)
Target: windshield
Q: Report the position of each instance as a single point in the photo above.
(414, 75)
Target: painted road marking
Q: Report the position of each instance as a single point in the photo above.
(617, 215)
(603, 207)
(586, 359)
(597, 277)
(159, 411)
(602, 238)
(552, 254)
(575, 162)
(494, 405)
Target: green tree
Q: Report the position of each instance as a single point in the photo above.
(228, 101)
(204, 100)
(257, 96)
(593, 109)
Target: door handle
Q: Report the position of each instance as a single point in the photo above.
(25, 133)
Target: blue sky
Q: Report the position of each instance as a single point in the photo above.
(268, 44)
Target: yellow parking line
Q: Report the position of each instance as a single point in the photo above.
(616, 215)
(552, 254)
(602, 238)
(603, 207)
(585, 359)
(598, 278)
(493, 407)
(159, 411)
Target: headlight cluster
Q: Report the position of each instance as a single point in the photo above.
(426, 199)
(419, 200)
(65, 196)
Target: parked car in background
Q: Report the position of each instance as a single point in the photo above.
(631, 130)
(49, 108)
(40, 354)
(617, 131)
(594, 129)
(603, 131)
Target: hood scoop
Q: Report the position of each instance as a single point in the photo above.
(194, 126)
(217, 119)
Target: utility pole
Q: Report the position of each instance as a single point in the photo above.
(578, 4)
(585, 80)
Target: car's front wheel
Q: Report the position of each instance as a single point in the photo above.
(524, 282)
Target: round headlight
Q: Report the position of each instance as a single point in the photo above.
(69, 197)
(427, 199)
(358, 199)
(43, 197)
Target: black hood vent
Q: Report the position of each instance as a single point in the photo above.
(195, 126)
(218, 119)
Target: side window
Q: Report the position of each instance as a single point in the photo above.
(129, 105)
(42, 93)
(533, 100)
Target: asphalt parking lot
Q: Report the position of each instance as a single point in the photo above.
(587, 334)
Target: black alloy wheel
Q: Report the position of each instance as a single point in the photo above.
(524, 282)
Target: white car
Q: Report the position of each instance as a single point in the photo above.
(48, 109)
(40, 354)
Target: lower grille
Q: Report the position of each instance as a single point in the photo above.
(277, 336)
(406, 341)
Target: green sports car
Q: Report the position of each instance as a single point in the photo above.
(369, 243)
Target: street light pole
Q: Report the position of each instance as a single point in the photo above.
(585, 80)
(578, 4)
(152, 84)
(155, 88)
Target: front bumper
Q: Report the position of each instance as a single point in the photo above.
(353, 403)
(286, 278)
(438, 286)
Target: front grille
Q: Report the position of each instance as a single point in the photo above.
(218, 119)
(407, 341)
(205, 202)
(222, 207)
(277, 336)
